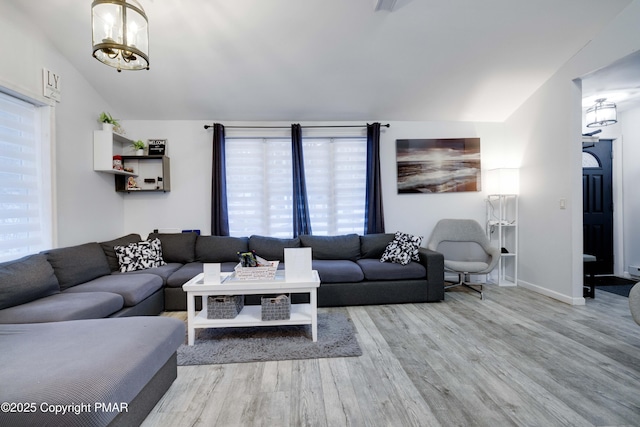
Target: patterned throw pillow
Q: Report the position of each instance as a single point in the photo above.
(140, 255)
(403, 249)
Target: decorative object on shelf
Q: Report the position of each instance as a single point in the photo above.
(438, 165)
(120, 31)
(276, 307)
(132, 184)
(267, 272)
(224, 306)
(138, 147)
(110, 124)
(117, 163)
(157, 146)
(602, 113)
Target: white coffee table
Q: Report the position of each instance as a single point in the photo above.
(301, 314)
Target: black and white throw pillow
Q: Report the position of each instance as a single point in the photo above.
(140, 255)
(402, 249)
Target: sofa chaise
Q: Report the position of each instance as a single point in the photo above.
(92, 372)
(59, 352)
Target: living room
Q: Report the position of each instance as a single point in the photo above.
(524, 139)
(540, 135)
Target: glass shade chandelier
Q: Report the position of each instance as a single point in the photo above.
(602, 113)
(120, 30)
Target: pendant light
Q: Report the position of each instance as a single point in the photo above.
(602, 113)
(120, 30)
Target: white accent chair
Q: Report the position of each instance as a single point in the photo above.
(466, 249)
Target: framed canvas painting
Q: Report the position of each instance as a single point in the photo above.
(438, 165)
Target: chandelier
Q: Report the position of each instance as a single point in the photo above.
(120, 31)
(601, 114)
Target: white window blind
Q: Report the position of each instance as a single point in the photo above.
(25, 174)
(335, 172)
(259, 194)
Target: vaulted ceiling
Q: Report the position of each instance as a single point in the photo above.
(332, 59)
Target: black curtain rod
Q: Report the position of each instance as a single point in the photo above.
(289, 127)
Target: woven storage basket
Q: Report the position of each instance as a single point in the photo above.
(257, 273)
(224, 306)
(276, 307)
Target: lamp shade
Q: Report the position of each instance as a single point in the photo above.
(503, 181)
(602, 113)
(120, 33)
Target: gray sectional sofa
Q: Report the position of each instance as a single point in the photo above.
(70, 330)
(349, 267)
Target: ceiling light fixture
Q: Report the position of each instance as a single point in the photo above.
(120, 30)
(601, 114)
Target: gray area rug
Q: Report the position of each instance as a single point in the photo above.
(336, 338)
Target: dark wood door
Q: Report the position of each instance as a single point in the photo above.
(597, 197)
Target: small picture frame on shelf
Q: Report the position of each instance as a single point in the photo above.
(157, 147)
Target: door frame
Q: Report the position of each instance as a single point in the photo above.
(618, 211)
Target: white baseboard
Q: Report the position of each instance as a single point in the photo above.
(552, 294)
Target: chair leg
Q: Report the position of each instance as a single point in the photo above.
(461, 282)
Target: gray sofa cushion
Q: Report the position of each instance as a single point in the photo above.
(164, 272)
(220, 248)
(98, 360)
(110, 253)
(26, 279)
(78, 264)
(178, 247)
(337, 271)
(373, 269)
(346, 247)
(271, 248)
(133, 288)
(373, 245)
(64, 306)
(189, 271)
(184, 274)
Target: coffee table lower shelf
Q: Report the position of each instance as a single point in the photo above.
(251, 315)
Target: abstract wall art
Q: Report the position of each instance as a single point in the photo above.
(438, 165)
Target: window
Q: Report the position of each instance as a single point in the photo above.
(259, 195)
(336, 172)
(25, 176)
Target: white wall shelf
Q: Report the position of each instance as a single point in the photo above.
(107, 144)
(502, 230)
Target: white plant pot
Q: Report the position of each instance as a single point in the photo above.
(107, 126)
(140, 152)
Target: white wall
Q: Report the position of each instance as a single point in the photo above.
(548, 128)
(86, 206)
(188, 205)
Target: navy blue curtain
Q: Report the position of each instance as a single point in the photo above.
(301, 219)
(219, 212)
(373, 211)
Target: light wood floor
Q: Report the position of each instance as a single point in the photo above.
(515, 359)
